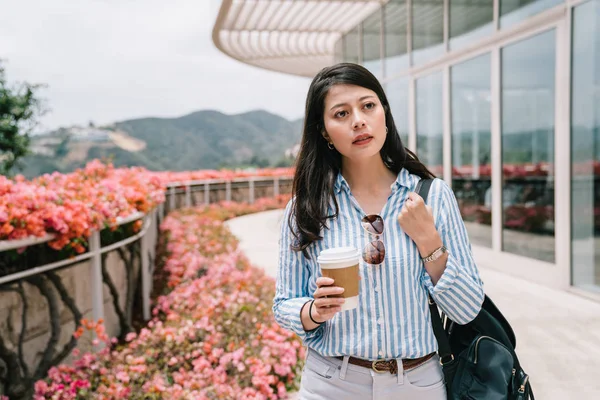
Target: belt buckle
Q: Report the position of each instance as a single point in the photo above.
(374, 366)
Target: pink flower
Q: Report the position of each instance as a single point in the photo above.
(130, 336)
(172, 361)
(122, 376)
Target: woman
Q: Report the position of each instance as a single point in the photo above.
(354, 178)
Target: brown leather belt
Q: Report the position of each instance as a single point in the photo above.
(389, 365)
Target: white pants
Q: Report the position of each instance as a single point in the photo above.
(331, 378)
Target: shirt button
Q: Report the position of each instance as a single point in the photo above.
(381, 353)
(380, 321)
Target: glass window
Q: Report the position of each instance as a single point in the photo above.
(372, 43)
(471, 146)
(513, 11)
(528, 146)
(585, 146)
(470, 20)
(429, 122)
(351, 46)
(396, 25)
(397, 94)
(427, 30)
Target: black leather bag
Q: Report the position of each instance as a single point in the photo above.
(478, 359)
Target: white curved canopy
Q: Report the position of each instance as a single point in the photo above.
(291, 36)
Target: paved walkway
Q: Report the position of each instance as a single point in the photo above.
(558, 333)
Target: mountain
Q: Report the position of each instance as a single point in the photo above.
(200, 140)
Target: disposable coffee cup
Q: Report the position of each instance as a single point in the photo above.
(341, 264)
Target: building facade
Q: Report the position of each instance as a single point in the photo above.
(501, 98)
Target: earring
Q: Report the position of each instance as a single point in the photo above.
(330, 145)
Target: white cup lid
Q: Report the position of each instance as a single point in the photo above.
(337, 254)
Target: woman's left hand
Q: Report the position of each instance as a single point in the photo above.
(416, 219)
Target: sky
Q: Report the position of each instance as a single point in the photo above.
(110, 60)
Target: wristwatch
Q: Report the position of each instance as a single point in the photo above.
(435, 255)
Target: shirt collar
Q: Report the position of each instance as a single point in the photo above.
(404, 179)
(340, 183)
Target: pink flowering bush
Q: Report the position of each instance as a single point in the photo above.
(72, 205)
(212, 336)
(170, 176)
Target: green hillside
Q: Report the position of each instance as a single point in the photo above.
(201, 140)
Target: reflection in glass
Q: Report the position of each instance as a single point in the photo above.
(528, 146)
(429, 122)
(396, 24)
(471, 146)
(371, 43)
(585, 146)
(351, 46)
(427, 30)
(397, 94)
(470, 20)
(513, 11)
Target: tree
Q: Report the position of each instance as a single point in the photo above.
(63, 148)
(258, 162)
(285, 162)
(19, 109)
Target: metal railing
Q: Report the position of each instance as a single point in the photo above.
(187, 188)
(151, 222)
(94, 254)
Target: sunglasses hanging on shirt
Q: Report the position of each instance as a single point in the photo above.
(374, 251)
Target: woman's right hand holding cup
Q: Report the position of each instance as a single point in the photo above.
(325, 307)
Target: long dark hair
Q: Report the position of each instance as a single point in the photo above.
(317, 166)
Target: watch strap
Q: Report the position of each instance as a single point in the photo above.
(435, 255)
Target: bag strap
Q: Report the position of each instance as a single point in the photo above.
(444, 349)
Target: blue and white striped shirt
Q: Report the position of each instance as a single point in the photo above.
(392, 319)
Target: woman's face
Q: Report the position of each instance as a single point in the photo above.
(354, 121)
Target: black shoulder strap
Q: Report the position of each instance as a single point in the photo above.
(445, 351)
(423, 187)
